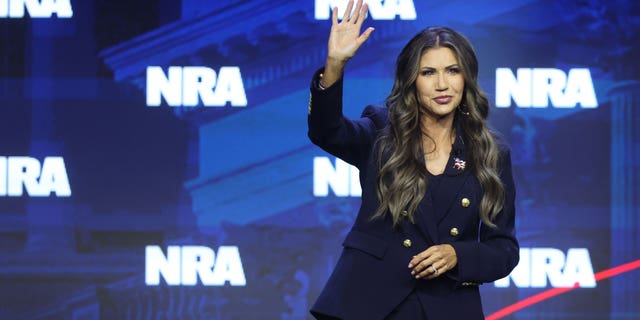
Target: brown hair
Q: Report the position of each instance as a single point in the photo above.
(402, 179)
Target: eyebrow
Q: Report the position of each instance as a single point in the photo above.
(447, 67)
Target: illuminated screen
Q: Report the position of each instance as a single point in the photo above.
(154, 159)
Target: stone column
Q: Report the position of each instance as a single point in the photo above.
(625, 194)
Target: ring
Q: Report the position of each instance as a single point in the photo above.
(435, 271)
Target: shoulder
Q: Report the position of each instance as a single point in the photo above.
(378, 115)
(504, 150)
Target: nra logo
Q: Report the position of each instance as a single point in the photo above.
(184, 265)
(188, 86)
(20, 174)
(540, 267)
(342, 178)
(535, 88)
(35, 8)
(378, 9)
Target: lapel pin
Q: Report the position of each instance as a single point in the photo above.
(459, 164)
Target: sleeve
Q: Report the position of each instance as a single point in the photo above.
(497, 251)
(349, 140)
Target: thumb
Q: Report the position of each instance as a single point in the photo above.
(365, 35)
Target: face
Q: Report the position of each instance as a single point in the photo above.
(440, 83)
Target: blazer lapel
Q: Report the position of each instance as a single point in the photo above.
(456, 174)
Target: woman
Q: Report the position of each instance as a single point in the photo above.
(437, 214)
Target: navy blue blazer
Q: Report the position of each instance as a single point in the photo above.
(371, 276)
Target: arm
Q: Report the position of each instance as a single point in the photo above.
(328, 128)
(349, 140)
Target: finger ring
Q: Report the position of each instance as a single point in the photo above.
(435, 271)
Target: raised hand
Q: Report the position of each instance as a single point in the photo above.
(344, 40)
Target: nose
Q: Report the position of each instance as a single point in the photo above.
(441, 83)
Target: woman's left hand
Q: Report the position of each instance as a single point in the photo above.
(434, 261)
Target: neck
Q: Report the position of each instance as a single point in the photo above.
(440, 130)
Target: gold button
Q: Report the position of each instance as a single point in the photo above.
(406, 243)
(454, 232)
(465, 202)
(404, 213)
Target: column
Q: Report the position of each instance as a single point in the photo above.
(625, 194)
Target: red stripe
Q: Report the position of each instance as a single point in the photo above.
(608, 273)
(617, 270)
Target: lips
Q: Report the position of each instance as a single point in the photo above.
(442, 99)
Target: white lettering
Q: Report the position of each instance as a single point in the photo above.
(159, 85)
(3, 176)
(25, 173)
(22, 171)
(53, 178)
(546, 263)
(186, 86)
(537, 87)
(35, 8)
(507, 86)
(580, 89)
(539, 264)
(196, 261)
(378, 9)
(229, 88)
(198, 82)
(185, 265)
(547, 85)
(578, 269)
(157, 264)
(343, 178)
(228, 268)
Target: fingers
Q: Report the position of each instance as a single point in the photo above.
(366, 34)
(363, 13)
(345, 37)
(347, 12)
(334, 15)
(433, 262)
(427, 256)
(428, 268)
(356, 16)
(434, 271)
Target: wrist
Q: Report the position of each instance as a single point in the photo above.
(333, 71)
(334, 65)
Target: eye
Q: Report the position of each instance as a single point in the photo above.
(454, 70)
(426, 72)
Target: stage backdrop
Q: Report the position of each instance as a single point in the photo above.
(154, 162)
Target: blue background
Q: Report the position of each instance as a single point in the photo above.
(214, 176)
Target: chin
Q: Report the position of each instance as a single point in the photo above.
(445, 112)
(440, 111)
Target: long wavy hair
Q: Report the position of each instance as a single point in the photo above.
(402, 179)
